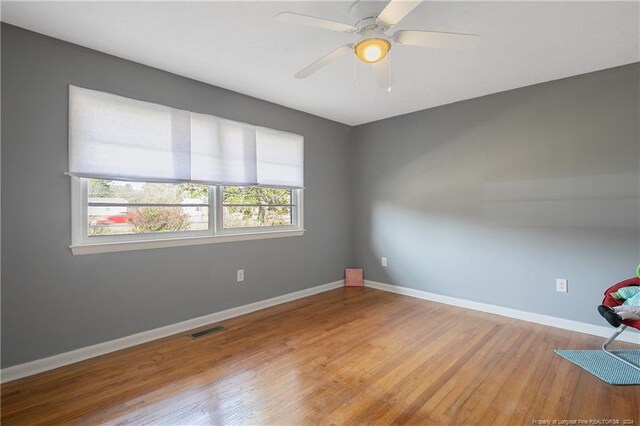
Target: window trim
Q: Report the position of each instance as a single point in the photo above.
(81, 243)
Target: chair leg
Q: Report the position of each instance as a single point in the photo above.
(610, 353)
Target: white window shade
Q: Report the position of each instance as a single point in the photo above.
(119, 138)
(222, 151)
(280, 158)
(113, 137)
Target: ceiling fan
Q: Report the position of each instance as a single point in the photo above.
(373, 26)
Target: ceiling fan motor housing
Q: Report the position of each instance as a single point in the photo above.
(365, 14)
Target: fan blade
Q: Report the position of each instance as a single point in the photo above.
(396, 10)
(384, 74)
(312, 21)
(326, 59)
(438, 40)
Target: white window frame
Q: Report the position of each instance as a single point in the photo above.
(296, 199)
(82, 243)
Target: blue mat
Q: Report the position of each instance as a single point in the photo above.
(606, 367)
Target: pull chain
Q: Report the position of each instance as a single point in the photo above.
(354, 71)
(389, 73)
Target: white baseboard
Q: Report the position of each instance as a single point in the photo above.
(33, 367)
(629, 336)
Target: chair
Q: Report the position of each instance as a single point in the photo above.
(610, 301)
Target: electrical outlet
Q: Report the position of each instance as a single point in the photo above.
(240, 275)
(384, 262)
(562, 285)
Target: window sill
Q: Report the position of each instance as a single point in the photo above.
(177, 242)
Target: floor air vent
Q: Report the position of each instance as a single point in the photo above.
(211, 330)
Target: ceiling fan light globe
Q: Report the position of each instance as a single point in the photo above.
(372, 50)
(372, 53)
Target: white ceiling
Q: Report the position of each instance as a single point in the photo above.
(239, 46)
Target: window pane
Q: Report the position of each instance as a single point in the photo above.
(104, 191)
(252, 207)
(250, 217)
(256, 195)
(117, 208)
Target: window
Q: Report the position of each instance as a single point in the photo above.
(145, 175)
(129, 208)
(164, 214)
(257, 207)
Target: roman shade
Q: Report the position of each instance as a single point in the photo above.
(222, 151)
(113, 137)
(118, 138)
(279, 158)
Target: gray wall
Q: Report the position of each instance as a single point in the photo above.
(53, 301)
(494, 198)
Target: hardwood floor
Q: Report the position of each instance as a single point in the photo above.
(347, 356)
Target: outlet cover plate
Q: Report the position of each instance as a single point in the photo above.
(562, 286)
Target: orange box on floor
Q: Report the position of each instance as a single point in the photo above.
(353, 277)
